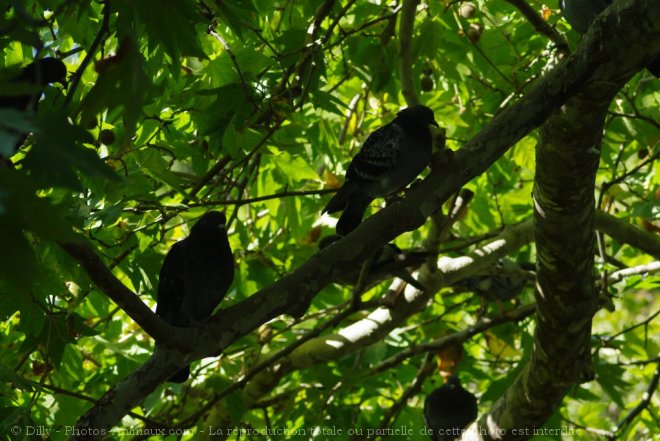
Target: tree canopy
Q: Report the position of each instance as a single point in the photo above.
(546, 155)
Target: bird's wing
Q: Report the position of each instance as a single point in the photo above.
(171, 289)
(378, 155)
(209, 272)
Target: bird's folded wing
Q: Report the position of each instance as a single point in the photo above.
(378, 155)
(171, 286)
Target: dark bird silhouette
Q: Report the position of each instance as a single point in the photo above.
(390, 159)
(448, 410)
(31, 81)
(580, 13)
(195, 276)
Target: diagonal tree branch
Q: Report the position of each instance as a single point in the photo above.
(124, 297)
(623, 232)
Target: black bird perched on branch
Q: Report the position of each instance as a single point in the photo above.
(580, 13)
(390, 159)
(33, 78)
(448, 410)
(195, 276)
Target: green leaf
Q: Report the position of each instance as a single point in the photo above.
(237, 142)
(58, 154)
(12, 124)
(55, 334)
(22, 210)
(609, 378)
(239, 15)
(122, 82)
(171, 23)
(295, 169)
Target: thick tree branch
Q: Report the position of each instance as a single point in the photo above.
(124, 297)
(636, 24)
(623, 232)
(567, 161)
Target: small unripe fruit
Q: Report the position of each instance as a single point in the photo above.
(467, 10)
(426, 83)
(107, 137)
(474, 32)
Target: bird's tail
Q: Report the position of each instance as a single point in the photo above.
(352, 215)
(338, 201)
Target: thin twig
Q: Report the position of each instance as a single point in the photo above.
(224, 44)
(541, 25)
(415, 387)
(643, 404)
(100, 36)
(457, 337)
(246, 201)
(59, 390)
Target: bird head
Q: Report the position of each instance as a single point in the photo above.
(211, 219)
(453, 382)
(419, 115)
(44, 71)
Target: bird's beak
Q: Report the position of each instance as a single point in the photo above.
(433, 128)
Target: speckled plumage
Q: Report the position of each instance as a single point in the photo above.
(390, 159)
